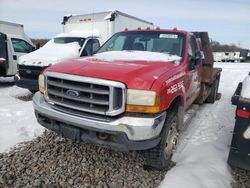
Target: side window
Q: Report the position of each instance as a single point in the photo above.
(91, 47)
(22, 46)
(192, 47)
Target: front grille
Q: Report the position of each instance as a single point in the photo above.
(30, 72)
(85, 94)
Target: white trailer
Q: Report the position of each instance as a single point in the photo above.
(13, 44)
(82, 36)
(218, 56)
(103, 24)
(236, 56)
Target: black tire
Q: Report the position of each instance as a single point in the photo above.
(159, 157)
(214, 90)
(32, 91)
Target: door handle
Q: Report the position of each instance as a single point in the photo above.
(14, 57)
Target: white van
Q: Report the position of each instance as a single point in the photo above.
(13, 44)
(83, 34)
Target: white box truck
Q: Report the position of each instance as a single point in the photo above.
(13, 44)
(82, 36)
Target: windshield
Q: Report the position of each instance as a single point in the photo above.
(163, 42)
(65, 40)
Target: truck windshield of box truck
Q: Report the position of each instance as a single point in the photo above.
(163, 42)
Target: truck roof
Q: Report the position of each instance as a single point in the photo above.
(98, 16)
(77, 34)
(10, 23)
(174, 30)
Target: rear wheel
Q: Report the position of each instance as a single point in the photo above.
(214, 90)
(159, 157)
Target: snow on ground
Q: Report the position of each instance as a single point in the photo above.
(17, 119)
(201, 156)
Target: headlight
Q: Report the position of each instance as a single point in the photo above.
(142, 101)
(141, 97)
(41, 83)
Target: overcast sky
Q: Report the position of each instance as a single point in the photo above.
(227, 21)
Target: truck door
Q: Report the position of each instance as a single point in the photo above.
(20, 47)
(3, 54)
(193, 82)
(91, 47)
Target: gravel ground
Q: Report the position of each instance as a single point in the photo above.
(241, 177)
(50, 161)
(25, 97)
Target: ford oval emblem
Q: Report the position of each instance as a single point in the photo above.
(72, 93)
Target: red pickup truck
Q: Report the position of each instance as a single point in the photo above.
(132, 94)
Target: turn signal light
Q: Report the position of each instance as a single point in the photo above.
(142, 109)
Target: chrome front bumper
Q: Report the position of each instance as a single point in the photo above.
(136, 128)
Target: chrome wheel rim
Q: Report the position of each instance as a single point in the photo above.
(171, 140)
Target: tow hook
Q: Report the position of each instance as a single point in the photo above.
(103, 136)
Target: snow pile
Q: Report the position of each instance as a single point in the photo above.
(18, 122)
(136, 55)
(78, 34)
(51, 53)
(245, 92)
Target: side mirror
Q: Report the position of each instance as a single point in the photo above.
(2, 61)
(198, 58)
(95, 48)
(191, 62)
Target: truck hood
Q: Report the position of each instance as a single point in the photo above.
(136, 74)
(50, 54)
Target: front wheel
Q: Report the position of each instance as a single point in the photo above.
(159, 157)
(32, 91)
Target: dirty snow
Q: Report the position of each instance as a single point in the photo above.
(136, 55)
(245, 92)
(17, 120)
(201, 156)
(50, 54)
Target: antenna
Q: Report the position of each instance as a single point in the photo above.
(92, 47)
(92, 24)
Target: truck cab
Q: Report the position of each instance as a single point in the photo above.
(13, 44)
(132, 94)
